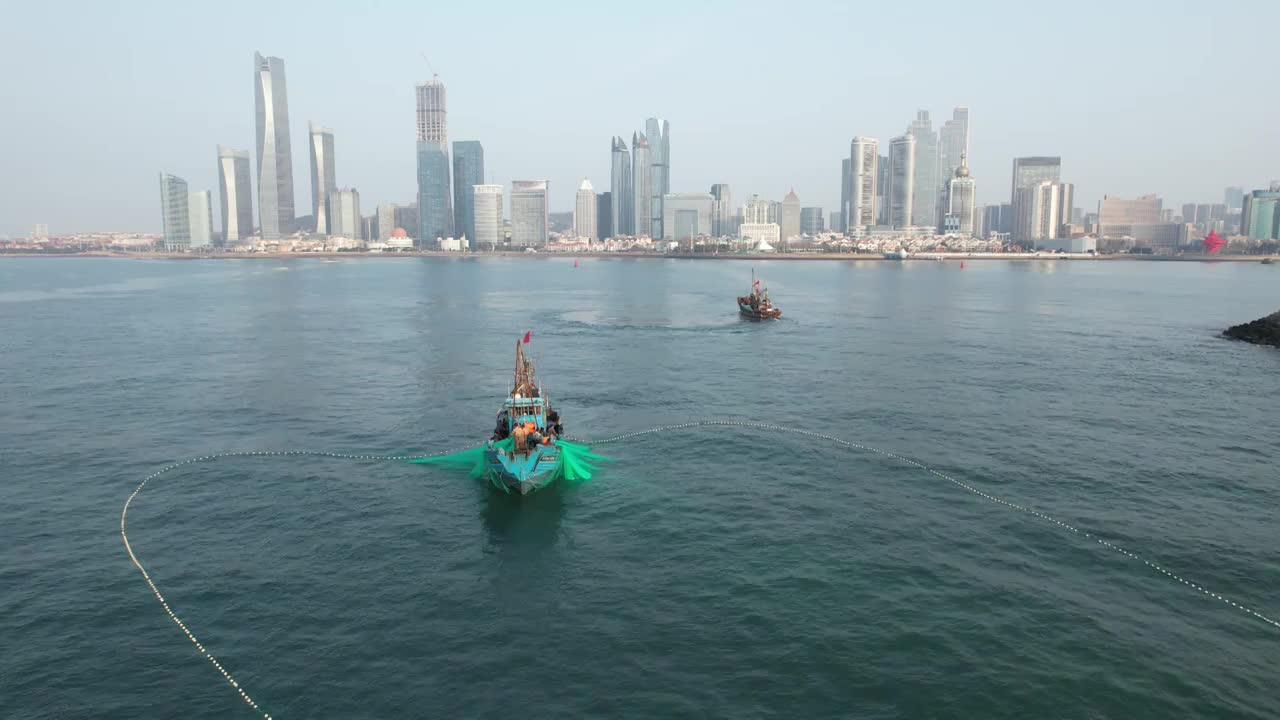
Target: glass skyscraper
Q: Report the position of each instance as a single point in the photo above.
(864, 174)
(641, 186)
(175, 209)
(488, 216)
(902, 161)
(926, 185)
(620, 189)
(658, 133)
(604, 214)
(811, 221)
(435, 213)
(322, 176)
(468, 171)
(200, 214)
(275, 158)
(236, 194)
(722, 211)
(529, 213)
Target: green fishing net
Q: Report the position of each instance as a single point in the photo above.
(577, 462)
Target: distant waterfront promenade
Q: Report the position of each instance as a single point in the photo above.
(801, 256)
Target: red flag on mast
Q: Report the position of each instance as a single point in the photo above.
(1213, 242)
(528, 336)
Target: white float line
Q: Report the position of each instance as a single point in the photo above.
(124, 513)
(124, 535)
(969, 488)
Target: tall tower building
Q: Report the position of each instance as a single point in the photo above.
(960, 204)
(882, 192)
(175, 212)
(488, 214)
(790, 216)
(275, 158)
(846, 192)
(236, 195)
(902, 161)
(620, 189)
(721, 211)
(529, 213)
(658, 133)
(322, 176)
(435, 213)
(864, 173)
(200, 212)
(642, 185)
(468, 171)
(584, 211)
(344, 213)
(926, 185)
(810, 221)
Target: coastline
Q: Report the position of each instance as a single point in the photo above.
(798, 257)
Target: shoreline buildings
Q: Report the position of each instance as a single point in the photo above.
(901, 191)
(641, 185)
(621, 196)
(488, 216)
(529, 213)
(468, 172)
(658, 134)
(863, 174)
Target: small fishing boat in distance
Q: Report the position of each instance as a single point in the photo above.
(757, 305)
(531, 460)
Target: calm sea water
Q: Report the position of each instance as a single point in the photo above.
(709, 573)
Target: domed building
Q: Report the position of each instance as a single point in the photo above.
(959, 208)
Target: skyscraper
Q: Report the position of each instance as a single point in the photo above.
(620, 189)
(584, 211)
(902, 162)
(236, 195)
(344, 213)
(175, 212)
(960, 206)
(435, 215)
(810, 221)
(322, 176)
(488, 212)
(658, 133)
(882, 193)
(641, 185)
(687, 215)
(1040, 211)
(953, 143)
(721, 211)
(386, 214)
(846, 192)
(1028, 171)
(604, 215)
(925, 185)
(790, 225)
(1234, 198)
(529, 213)
(275, 158)
(200, 213)
(864, 173)
(468, 171)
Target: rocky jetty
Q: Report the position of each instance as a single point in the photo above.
(1263, 331)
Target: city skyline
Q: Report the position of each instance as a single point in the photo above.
(1099, 155)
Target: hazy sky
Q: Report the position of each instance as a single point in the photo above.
(1176, 98)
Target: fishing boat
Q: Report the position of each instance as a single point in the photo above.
(756, 305)
(897, 255)
(532, 457)
(1269, 261)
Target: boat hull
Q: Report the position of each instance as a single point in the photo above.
(522, 473)
(759, 314)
